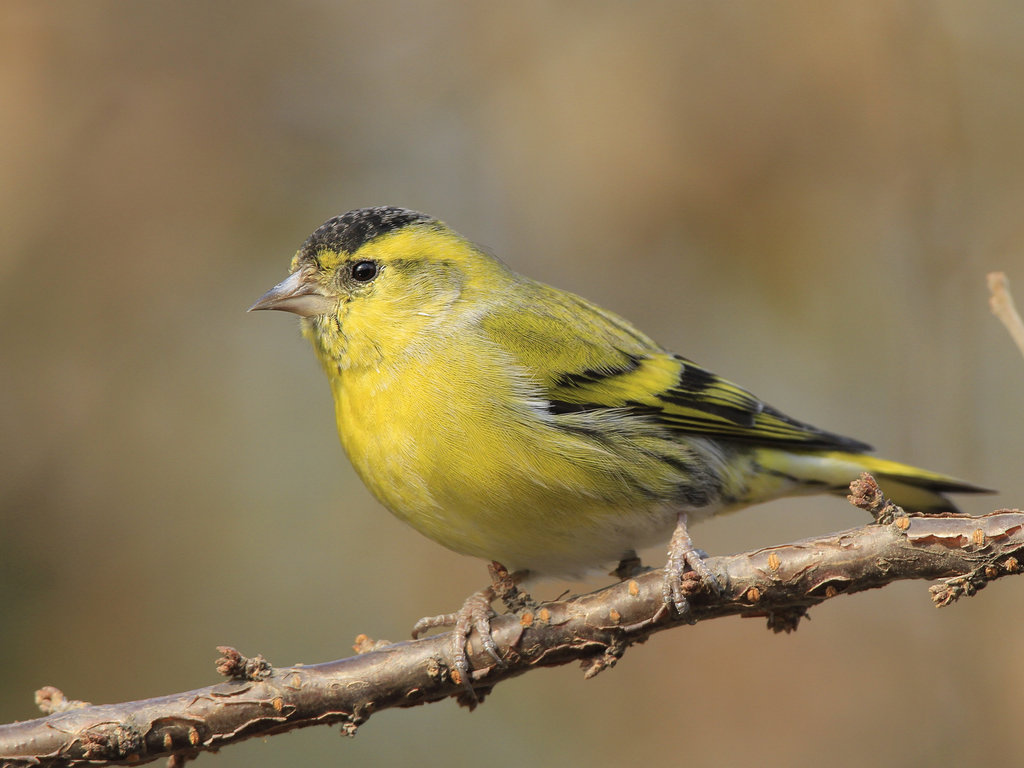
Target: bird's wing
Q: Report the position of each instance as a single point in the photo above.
(685, 397)
(587, 359)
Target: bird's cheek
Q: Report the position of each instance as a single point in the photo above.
(325, 333)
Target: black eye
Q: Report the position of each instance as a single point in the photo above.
(364, 271)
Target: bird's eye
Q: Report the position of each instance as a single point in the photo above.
(364, 271)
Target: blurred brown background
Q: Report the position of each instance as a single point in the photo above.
(804, 196)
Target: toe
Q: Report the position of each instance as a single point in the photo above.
(683, 555)
(428, 623)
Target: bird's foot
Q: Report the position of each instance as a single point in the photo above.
(680, 583)
(476, 613)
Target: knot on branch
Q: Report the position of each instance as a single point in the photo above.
(52, 701)
(506, 590)
(366, 644)
(594, 665)
(865, 494)
(786, 620)
(123, 741)
(952, 589)
(350, 725)
(238, 667)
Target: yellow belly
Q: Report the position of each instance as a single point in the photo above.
(497, 478)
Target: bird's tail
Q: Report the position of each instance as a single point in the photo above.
(914, 489)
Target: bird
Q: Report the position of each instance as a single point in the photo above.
(521, 424)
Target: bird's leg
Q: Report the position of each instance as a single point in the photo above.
(681, 553)
(476, 613)
(629, 566)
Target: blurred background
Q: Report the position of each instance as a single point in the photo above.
(803, 196)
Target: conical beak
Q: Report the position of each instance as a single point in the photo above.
(298, 294)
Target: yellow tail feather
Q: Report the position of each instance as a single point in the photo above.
(913, 488)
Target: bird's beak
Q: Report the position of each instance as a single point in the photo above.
(297, 293)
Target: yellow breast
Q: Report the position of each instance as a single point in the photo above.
(466, 452)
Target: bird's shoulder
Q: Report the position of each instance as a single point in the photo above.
(556, 334)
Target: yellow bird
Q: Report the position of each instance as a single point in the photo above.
(515, 422)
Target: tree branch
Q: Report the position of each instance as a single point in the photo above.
(779, 583)
(1002, 306)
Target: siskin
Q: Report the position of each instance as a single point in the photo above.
(515, 422)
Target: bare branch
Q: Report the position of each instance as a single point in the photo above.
(779, 583)
(1001, 302)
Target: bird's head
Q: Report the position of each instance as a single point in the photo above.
(368, 283)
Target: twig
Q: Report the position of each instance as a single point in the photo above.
(1001, 302)
(780, 583)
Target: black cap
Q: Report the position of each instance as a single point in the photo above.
(351, 231)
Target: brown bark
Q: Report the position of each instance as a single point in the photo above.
(779, 583)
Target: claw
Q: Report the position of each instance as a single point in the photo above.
(475, 613)
(682, 554)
